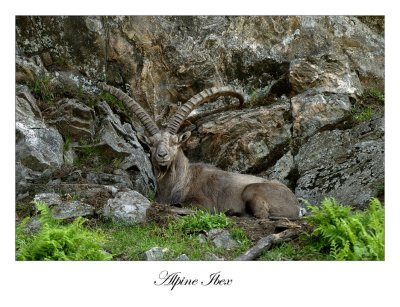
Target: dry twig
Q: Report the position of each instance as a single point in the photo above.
(266, 242)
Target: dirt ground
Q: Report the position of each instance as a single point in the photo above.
(163, 214)
(254, 228)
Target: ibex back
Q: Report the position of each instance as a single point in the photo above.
(202, 185)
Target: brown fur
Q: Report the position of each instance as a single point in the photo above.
(207, 187)
(200, 184)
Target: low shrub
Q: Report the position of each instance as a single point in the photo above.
(57, 241)
(348, 235)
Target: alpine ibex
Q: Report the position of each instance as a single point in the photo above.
(201, 185)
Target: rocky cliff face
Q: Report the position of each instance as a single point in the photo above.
(303, 76)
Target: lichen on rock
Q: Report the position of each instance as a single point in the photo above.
(301, 75)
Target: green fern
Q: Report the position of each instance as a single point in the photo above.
(56, 241)
(348, 235)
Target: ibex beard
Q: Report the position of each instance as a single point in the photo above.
(202, 185)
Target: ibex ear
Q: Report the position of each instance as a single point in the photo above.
(184, 137)
(142, 138)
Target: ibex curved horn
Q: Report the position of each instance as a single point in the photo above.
(206, 95)
(202, 185)
(145, 119)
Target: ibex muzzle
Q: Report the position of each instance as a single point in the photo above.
(202, 185)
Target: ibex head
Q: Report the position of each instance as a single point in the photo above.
(164, 147)
(165, 144)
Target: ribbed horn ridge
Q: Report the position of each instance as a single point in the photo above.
(132, 105)
(202, 97)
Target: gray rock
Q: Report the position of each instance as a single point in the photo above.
(31, 108)
(281, 170)
(68, 83)
(74, 176)
(127, 207)
(222, 238)
(202, 238)
(55, 181)
(192, 54)
(24, 177)
(38, 146)
(119, 181)
(312, 110)
(182, 257)
(70, 157)
(29, 68)
(72, 209)
(345, 164)
(92, 194)
(242, 139)
(64, 209)
(119, 141)
(329, 73)
(51, 199)
(155, 254)
(73, 119)
(56, 37)
(33, 226)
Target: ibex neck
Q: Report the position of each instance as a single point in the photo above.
(173, 186)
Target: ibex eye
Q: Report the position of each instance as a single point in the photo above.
(173, 141)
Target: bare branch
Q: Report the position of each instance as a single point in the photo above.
(266, 242)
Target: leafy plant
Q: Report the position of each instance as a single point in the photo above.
(371, 103)
(113, 101)
(117, 162)
(41, 88)
(91, 155)
(363, 114)
(67, 143)
(240, 236)
(151, 195)
(178, 237)
(376, 94)
(55, 241)
(201, 221)
(348, 235)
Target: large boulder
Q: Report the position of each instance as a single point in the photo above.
(127, 207)
(312, 111)
(119, 141)
(345, 164)
(324, 73)
(242, 140)
(120, 179)
(24, 177)
(38, 146)
(68, 41)
(65, 209)
(221, 238)
(73, 119)
(325, 84)
(281, 170)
